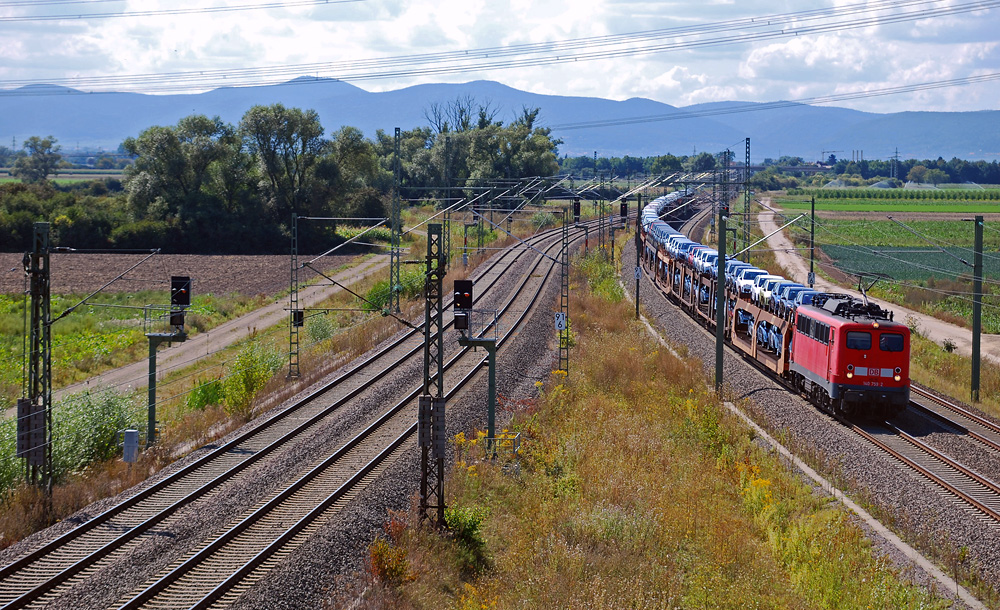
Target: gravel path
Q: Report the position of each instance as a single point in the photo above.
(911, 507)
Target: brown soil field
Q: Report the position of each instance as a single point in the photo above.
(84, 273)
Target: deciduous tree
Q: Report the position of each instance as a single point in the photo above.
(41, 161)
(286, 142)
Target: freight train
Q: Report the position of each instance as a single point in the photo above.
(847, 355)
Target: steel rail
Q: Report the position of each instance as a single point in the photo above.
(51, 583)
(234, 532)
(961, 411)
(937, 478)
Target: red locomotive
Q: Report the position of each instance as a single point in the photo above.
(850, 357)
(847, 355)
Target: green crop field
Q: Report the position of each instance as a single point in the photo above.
(879, 231)
(910, 264)
(884, 206)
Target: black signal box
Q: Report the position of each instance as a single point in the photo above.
(624, 211)
(463, 294)
(180, 291)
(576, 209)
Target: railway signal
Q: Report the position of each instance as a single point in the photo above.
(180, 299)
(463, 303)
(576, 209)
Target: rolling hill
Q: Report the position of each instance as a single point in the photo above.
(90, 120)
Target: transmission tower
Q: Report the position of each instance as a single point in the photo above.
(34, 429)
(431, 430)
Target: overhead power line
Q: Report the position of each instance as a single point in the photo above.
(739, 31)
(151, 13)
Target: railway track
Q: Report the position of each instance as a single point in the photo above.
(966, 485)
(956, 417)
(44, 574)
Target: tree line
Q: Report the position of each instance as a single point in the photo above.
(207, 186)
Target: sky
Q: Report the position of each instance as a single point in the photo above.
(679, 53)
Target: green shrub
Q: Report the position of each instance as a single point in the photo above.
(540, 220)
(85, 428)
(465, 524)
(319, 328)
(252, 368)
(206, 393)
(601, 276)
(411, 284)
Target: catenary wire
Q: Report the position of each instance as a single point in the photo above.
(396, 67)
(158, 13)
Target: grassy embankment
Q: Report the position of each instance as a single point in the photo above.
(634, 488)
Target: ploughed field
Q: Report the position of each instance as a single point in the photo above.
(216, 274)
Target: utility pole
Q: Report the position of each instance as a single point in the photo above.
(720, 302)
(812, 242)
(638, 251)
(396, 230)
(977, 305)
(447, 205)
(296, 318)
(746, 205)
(564, 298)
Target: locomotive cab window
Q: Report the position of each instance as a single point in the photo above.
(890, 342)
(859, 340)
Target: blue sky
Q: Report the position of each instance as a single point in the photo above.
(698, 68)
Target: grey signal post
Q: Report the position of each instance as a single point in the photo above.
(180, 300)
(463, 314)
(491, 402)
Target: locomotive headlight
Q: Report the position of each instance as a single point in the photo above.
(850, 367)
(874, 324)
(897, 377)
(898, 370)
(850, 374)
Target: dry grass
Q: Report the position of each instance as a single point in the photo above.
(951, 374)
(635, 489)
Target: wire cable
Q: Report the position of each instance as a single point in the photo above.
(155, 13)
(520, 56)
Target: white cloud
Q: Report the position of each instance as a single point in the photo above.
(790, 68)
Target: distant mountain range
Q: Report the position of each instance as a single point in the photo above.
(90, 120)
